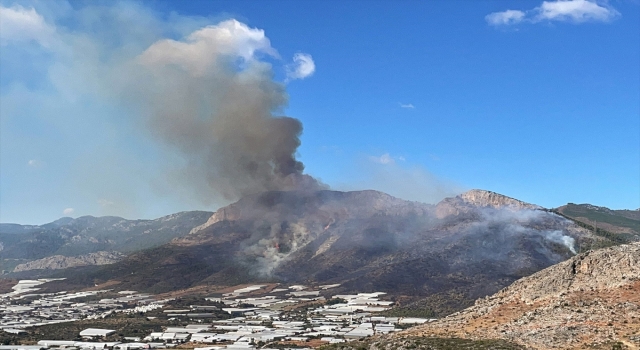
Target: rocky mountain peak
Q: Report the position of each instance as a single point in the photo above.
(483, 198)
(311, 204)
(62, 221)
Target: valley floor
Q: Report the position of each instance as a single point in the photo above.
(242, 317)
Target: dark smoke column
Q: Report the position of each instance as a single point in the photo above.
(211, 98)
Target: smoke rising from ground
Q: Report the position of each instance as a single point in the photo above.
(525, 222)
(212, 98)
(559, 237)
(274, 248)
(282, 227)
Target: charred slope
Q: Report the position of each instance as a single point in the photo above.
(249, 240)
(365, 240)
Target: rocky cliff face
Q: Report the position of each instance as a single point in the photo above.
(472, 201)
(58, 262)
(484, 198)
(590, 300)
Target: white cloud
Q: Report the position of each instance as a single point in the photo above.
(576, 11)
(386, 159)
(383, 159)
(407, 105)
(105, 202)
(505, 17)
(34, 163)
(302, 67)
(203, 48)
(68, 211)
(21, 24)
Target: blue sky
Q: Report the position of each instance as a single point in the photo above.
(421, 99)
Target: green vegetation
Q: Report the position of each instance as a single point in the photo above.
(125, 325)
(436, 305)
(334, 301)
(284, 345)
(611, 239)
(187, 301)
(426, 344)
(88, 298)
(409, 312)
(604, 215)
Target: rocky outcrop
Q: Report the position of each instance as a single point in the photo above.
(592, 299)
(222, 214)
(484, 198)
(57, 262)
(473, 200)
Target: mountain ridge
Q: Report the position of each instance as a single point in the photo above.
(439, 257)
(489, 198)
(57, 262)
(68, 237)
(623, 225)
(363, 240)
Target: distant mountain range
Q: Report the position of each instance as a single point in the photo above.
(82, 238)
(434, 258)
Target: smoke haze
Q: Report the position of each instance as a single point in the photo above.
(524, 222)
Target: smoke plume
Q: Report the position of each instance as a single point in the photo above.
(559, 237)
(211, 98)
(204, 98)
(283, 240)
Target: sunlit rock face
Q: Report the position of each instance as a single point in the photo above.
(491, 199)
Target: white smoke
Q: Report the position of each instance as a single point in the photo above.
(269, 252)
(524, 222)
(559, 237)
